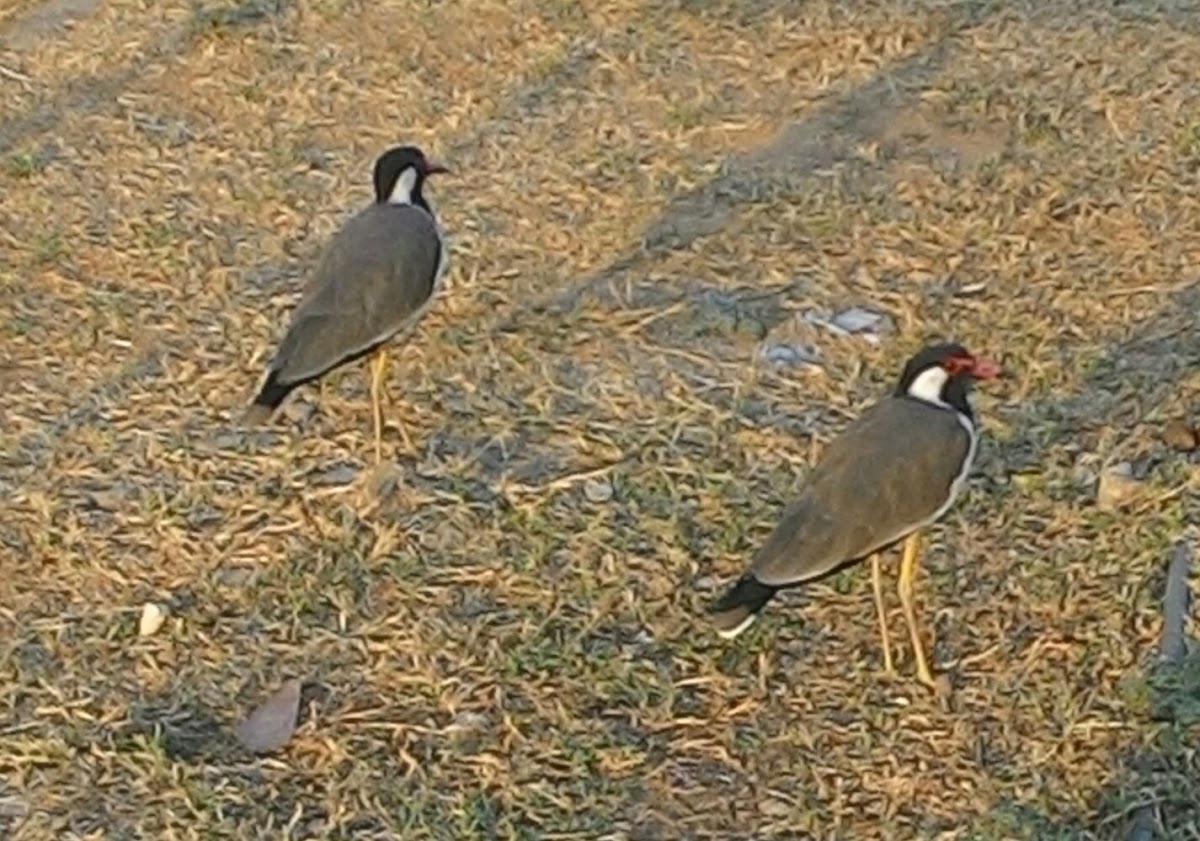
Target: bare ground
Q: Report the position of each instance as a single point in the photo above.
(510, 644)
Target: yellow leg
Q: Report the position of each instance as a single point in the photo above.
(877, 583)
(908, 573)
(378, 388)
(378, 367)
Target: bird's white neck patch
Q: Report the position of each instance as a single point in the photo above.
(928, 385)
(405, 184)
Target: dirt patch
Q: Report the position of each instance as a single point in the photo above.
(43, 21)
(912, 132)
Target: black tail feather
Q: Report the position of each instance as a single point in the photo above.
(734, 610)
(269, 397)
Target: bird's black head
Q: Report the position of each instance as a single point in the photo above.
(399, 174)
(944, 373)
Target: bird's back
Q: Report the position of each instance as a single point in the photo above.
(375, 276)
(888, 473)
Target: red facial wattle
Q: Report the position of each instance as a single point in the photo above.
(985, 369)
(978, 367)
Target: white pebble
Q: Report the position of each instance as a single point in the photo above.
(152, 619)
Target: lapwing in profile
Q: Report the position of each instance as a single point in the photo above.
(889, 475)
(376, 278)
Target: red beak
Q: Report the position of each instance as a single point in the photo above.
(985, 369)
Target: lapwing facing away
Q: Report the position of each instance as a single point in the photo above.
(891, 473)
(374, 281)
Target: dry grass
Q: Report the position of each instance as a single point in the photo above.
(645, 192)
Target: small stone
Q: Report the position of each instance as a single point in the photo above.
(788, 354)
(1180, 435)
(598, 490)
(857, 320)
(854, 321)
(153, 617)
(1117, 486)
(273, 722)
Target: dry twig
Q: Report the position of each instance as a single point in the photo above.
(1177, 599)
(1171, 651)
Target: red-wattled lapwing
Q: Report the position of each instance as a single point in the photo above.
(891, 473)
(375, 280)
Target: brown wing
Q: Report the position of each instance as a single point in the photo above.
(889, 472)
(375, 276)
